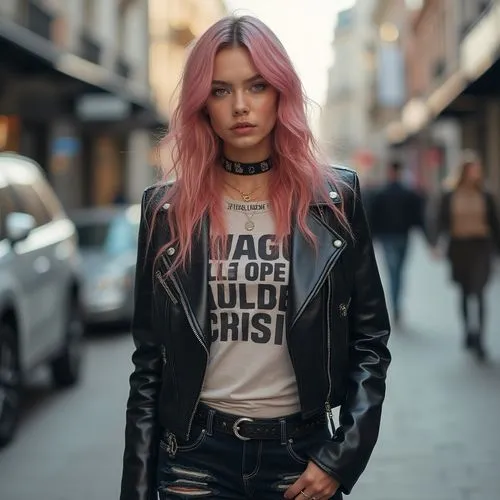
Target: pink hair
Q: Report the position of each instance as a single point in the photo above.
(296, 175)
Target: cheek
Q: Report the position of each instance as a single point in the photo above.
(215, 117)
(268, 109)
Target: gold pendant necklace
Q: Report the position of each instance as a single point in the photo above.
(244, 196)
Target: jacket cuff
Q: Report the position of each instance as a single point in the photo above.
(344, 487)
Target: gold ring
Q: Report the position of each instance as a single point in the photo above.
(302, 492)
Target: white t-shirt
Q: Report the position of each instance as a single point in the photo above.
(250, 372)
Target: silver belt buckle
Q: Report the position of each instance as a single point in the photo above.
(236, 428)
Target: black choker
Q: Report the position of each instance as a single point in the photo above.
(236, 167)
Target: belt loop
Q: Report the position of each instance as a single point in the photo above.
(283, 430)
(210, 422)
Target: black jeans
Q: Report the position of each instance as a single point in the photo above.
(219, 465)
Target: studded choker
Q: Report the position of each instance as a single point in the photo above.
(236, 167)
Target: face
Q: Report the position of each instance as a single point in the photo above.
(242, 106)
(474, 173)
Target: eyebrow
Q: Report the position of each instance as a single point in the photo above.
(248, 80)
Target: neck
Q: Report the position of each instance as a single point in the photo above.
(260, 152)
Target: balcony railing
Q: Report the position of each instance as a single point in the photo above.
(89, 48)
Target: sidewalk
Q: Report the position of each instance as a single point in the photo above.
(440, 436)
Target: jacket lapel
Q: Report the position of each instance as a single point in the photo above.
(309, 266)
(193, 283)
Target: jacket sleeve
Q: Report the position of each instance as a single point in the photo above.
(347, 454)
(141, 432)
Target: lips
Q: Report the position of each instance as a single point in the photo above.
(242, 125)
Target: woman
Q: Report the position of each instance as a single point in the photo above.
(258, 306)
(467, 215)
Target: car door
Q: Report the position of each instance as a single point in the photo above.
(62, 252)
(35, 262)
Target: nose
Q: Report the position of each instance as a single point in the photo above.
(240, 106)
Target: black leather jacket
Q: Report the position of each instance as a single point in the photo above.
(337, 328)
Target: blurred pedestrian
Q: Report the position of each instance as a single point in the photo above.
(467, 216)
(258, 305)
(395, 210)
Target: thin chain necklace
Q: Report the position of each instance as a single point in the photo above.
(245, 196)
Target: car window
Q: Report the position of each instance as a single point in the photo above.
(48, 199)
(7, 206)
(30, 203)
(112, 237)
(121, 237)
(92, 234)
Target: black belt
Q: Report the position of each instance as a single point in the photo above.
(246, 428)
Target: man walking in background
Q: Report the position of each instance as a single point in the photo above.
(394, 210)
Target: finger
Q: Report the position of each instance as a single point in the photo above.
(294, 490)
(308, 494)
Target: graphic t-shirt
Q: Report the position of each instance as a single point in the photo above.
(250, 372)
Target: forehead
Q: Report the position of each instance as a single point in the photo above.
(233, 65)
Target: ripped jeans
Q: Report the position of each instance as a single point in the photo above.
(213, 464)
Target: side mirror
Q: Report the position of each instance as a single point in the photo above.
(18, 226)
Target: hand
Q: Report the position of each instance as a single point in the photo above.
(314, 483)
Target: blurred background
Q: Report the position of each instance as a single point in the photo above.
(86, 91)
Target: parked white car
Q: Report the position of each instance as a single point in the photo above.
(40, 309)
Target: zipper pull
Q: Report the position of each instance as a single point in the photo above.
(329, 416)
(164, 354)
(343, 310)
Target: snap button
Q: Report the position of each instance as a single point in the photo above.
(337, 243)
(334, 195)
(171, 251)
(166, 206)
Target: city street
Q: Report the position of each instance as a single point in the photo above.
(439, 438)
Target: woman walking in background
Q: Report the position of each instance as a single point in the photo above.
(468, 216)
(259, 306)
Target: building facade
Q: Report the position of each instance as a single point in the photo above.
(174, 25)
(75, 94)
(452, 70)
(344, 121)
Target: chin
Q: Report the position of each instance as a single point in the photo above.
(244, 142)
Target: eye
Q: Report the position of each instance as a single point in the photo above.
(219, 92)
(259, 87)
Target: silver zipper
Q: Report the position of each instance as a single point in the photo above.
(186, 308)
(166, 287)
(328, 407)
(192, 414)
(198, 336)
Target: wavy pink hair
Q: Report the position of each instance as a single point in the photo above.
(296, 175)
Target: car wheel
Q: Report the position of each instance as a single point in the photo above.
(9, 383)
(66, 367)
